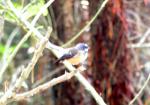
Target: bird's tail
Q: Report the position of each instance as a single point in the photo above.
(57, 61)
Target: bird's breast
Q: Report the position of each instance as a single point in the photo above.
(79, 58)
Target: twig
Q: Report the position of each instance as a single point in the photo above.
(86, 84)
(144, 45)
(6, 62)
(8, 43)
(15, 75)
(31, 27)
(53, 72)
(45, 86)
(56, 50)
(141, 90)
(26, 36)
(36, 56)
(147, 33)
(88, 24)
(25, 73)
(42, 10)
(12, 55)
(27, 6)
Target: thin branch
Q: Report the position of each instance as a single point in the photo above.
(49, 75)
(42, 10)
(31, 27)
(88, 24)
(8, 43)
(12, 55)
(147, 33)
(27, 6)
(88, 87)
(36, 56)
(144, 45)
(25, 73)
(141, 90)
(26, 36)
(45, 86)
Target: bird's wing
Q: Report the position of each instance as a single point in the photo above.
(71, 53)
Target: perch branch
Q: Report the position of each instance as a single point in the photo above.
(45, 86)
(49, 75)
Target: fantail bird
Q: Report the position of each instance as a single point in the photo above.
(75, 55)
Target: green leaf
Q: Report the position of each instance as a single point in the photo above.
(2, 49)
(34, 9)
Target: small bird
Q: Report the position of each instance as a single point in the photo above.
(75, 55)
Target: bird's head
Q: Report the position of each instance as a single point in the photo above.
(82, 47)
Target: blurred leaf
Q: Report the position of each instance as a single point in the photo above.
(18, 4)
(10, 17)
(30, 12)
(2, 49)
(1, 8)
(6, 13)
(34, 9)
(11, 49)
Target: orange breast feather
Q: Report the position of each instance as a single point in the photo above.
(75, 60)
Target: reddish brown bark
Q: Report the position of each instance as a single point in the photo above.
(111, 70)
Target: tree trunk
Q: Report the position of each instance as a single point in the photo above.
(111, 58)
